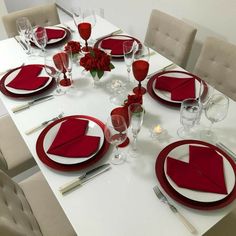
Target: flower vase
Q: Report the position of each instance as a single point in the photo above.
(96, 81)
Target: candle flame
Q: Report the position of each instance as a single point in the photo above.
(157, 129)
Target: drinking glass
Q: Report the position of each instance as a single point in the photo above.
(216, 110)
(115, 133)
(62, 61)
(189, 115)
(68, 63)
(25, 30)
(140, 67)
(136, 114)
(129, 48)
(40, 37)
(84, 21)
(52, 70)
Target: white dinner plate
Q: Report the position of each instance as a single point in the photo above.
(93, 130)
(13, 74)
(182, 153)
(165, 95)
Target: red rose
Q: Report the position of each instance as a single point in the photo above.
(134, 98)
(74, 46)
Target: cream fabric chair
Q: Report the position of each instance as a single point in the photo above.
(226, 227)
(217, 66)
(43, 15)
(170, 37)
(30, 208)
(15, 157)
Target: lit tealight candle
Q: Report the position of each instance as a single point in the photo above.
(157, 129)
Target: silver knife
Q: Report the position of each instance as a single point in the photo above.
(84, 178)
(34, 102)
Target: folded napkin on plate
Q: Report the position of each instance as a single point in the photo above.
(204, 172)
(180, 88)
(71, 140)
(28, 79)
(54, 33)
(115, 45)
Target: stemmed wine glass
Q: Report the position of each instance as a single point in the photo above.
(129, 48)
(52, 70)
(84, 21)
(62, 62)
(189, 116)
(25, 31)
(136, 114)
(216, 110)
(40, 37)
(140, 67)
(115, 133)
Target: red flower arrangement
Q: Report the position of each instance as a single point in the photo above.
(134, 98)
(96, 61)
(74, 46)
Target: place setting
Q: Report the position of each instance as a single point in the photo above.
(172, 87)
(72, 143)
(197, 174)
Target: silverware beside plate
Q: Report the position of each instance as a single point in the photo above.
(163, 198)
(31, 103)
(84, 178)
(38, 127)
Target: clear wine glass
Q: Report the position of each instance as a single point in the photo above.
(25, 30)
(189, 115)
(129, 48)
(40, 38)
(140, 67)
(136, 114)
(53, 71)
(216, 110)
(115, 133)
(68, 63)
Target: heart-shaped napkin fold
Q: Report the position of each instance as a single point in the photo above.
(71, 140)
(180, 88)
(204, 172)
(28, 79)
(54, 33)
(115, 45)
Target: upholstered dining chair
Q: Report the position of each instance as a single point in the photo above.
(43, 15)
(170, 37)
(217, 65)
(15, 157)
(30, 208)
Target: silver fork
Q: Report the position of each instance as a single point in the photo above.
(163, 198)
(38, 127)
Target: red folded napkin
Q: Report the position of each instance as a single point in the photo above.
(27, 78)
(115, 45)
(71, 140)
(54, 33)
(180, 88)
(204, 172)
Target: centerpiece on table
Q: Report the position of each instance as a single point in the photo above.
(96, 62)
(75, 48)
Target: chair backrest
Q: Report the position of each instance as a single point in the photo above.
(217, 65)
(42, 15)
(16, 216)
(170, 37)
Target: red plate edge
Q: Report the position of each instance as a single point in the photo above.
(159, 169)
(75, 167)
(175, 104)
(10, 94)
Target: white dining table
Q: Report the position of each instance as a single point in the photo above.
(121, 201)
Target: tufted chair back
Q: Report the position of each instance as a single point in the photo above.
(170, 37)
(16, 216)
(43, 15)
(217, 66)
